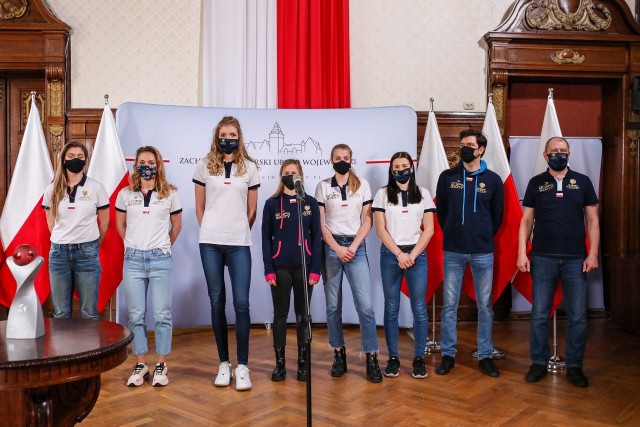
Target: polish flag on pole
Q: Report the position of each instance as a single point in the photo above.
(506, 239)
(550, 128)
(23, 220)
(108, 167)
(432, 162)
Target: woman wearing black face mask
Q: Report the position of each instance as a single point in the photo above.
(72, 202)
(226, 192)
(401, 209)
(149, 219)
(281, 241)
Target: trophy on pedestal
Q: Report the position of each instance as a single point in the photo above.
(25, 319)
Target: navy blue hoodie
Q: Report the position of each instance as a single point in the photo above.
(470, 207)
(281, 237)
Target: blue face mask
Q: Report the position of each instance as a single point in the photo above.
(401, 176)
(147, 172)
(558, 161)
(227, 145)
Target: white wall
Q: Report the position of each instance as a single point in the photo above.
(402, 51)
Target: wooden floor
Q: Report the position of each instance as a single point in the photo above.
(464, 397)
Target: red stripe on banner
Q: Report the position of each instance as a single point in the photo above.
(133, 159)
(380, 162)
(313, 54)
(111, 253)
(33, 232)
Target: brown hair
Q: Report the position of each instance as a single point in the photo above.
(354, 181)
(216, 156)
(286, 163)
(60, 182)
(163, 187)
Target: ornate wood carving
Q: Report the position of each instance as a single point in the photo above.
(9, 10)
(549, 16)
(567, 56)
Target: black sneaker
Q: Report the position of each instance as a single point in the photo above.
(536, 373)
(419, 369)
(373, 368)
(339, 366)
(446, 365)
(577, 377)
(488, 368)
(393, 367)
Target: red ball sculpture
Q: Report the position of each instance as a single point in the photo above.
(24, 254)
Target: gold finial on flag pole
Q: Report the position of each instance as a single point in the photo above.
(431, 102)
(33, 96)
(106, 100)
(550, 93)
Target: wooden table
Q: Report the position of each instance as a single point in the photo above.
(54, 380)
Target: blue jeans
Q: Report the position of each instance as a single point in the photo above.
(545, 272)
(238, 260)
(79, 265)
(455, 265)
(149, 270)
(359, 277)
(417, 283)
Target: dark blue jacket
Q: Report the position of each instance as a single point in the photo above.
(280, 234)
(470, 207)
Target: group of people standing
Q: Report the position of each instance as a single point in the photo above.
(335, 222)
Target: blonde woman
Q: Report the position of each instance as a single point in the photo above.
(281, 242)
(346, 218)
(226, 192)
(149, 219)
(73, 201)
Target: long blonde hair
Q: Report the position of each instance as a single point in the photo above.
(216, 156)
(286, 163)
(354, 182)
(163, 187)
(60, 182)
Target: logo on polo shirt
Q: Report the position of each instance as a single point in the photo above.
(86, 195)
(332, 196)
(547, 186)
(482, 188)
(573, 185)
(285, 215)
(134, 202)
(457, 185)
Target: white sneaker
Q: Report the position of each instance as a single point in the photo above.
(224, 375)
(243, 382)
(160, 375)
(140, 373)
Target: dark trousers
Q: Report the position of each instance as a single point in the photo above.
(288, 278)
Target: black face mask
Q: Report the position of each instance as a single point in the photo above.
(467, 154)
(228, 146)
(558, 161)
(402, 176)
(341, 167)
(287, 180)
(74, 165)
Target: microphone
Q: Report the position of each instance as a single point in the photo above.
(299, 185)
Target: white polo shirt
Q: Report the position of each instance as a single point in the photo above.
(77, 212)
(342, 208)
(148, 220)
(403, 219)
(225, 219)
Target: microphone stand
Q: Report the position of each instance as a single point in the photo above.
(305, 320)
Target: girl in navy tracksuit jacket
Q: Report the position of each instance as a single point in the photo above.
(281, 242)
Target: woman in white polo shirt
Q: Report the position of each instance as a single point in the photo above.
(401, 209)
(72, 202)
(345, 215)
(149, 219)
(226, 191)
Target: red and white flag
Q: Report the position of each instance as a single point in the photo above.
(23, 220)
(506, 239)
(550, 128)
(108, 168)
(433, 160)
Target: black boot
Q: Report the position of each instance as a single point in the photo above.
(339, 366)
(302, 363)
(279, 371)
(373, 369)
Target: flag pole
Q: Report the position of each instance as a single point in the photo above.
(431, 104)
(33, 96)
(556, 364)
(106, 99)
(550, 93)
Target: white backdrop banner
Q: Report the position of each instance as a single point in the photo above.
(183, 136)
(586, 157)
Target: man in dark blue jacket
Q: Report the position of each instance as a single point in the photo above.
(470, 200)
